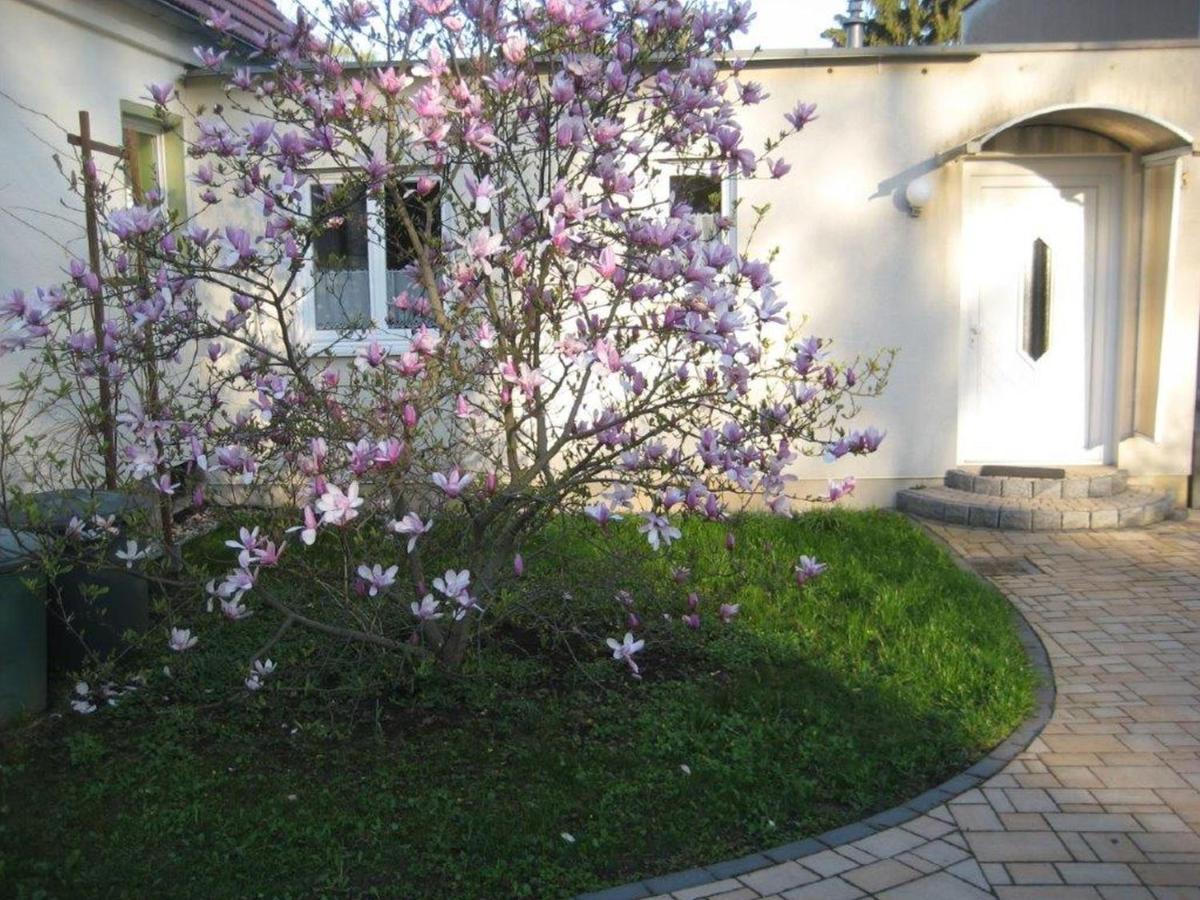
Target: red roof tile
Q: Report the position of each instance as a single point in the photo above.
(251, 18)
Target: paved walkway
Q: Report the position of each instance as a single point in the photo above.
(1105, 804)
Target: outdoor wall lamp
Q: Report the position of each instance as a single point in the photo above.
(918, 194)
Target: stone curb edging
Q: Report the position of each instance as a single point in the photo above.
(1130, 509)
(991, 764)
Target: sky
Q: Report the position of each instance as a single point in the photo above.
(788, 24)
(780, 24)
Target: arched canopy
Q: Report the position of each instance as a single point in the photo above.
(1137, 132)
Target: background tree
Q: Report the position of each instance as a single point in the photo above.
(898, 23)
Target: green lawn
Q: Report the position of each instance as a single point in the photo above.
(818, 706)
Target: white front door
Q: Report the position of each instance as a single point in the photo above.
(1040, 273)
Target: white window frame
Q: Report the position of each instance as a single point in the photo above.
(336, 343)
(669, 166)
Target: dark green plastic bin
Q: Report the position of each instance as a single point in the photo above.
(123, 603)
(22, 628)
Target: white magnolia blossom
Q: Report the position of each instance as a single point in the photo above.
(623, 651)
(132, 553)
(182, 639)
(658, 530)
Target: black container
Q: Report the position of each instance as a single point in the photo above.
(22, 627)
(101, 598)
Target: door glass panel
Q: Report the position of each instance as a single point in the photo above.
(1037, 301)
(342, 288)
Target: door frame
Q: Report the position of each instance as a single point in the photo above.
(1108, 173)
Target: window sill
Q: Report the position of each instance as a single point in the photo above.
(330, 345)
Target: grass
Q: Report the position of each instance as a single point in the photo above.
(889, 673)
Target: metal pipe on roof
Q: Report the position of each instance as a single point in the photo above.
(855, 25)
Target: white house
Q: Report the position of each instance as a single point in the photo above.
(1013, 213)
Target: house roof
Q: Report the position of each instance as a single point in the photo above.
(251, 18)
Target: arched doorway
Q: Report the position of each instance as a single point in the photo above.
(1067, 245)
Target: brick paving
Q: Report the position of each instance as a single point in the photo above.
(1105, 803)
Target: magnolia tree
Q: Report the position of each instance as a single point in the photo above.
(539, 328)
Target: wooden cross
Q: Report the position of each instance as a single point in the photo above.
(108, 422)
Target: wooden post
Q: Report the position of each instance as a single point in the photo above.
(108, 422)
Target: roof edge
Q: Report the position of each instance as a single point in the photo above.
(947, 53)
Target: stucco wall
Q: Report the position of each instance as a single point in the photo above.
(1026, 21)
(55, 64)
(869, 275)
(61, 56)
(866, 273)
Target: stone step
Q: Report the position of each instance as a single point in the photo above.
(1068, 482)
(1128, 509)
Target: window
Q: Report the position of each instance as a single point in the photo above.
(1036, 337)
(424, 215)
(366, 257)
(341, 261)
(154, 157)
(701, 192)
(690, 182)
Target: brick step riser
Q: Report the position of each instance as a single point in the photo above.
(1069, 488)
(1016, 519)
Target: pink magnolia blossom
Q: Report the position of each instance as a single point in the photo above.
(807, 569)
(182, 639)
(606, 265)
(843, 488)
(624, 650)
(515, 48)
(601, 513)
(234, 610)
(268, 555)
(427, 610)
(481, 245)
(485, 337)
(801, 115)
(412, 526)
(452, 483)
(529, 380)
(453, 584)
(377, 578)
(260, 671)
(482, 193)
(209, 57)
(308, 531)
(390, 82)
(370, 356)
(778, 168)
(658, 530)
(338, 508)
(247, 539)
(161, 93)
